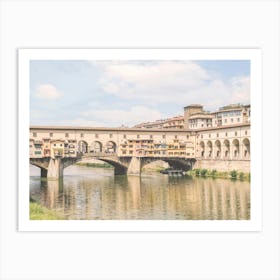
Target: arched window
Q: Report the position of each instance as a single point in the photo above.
(82, 147)
(235, 144)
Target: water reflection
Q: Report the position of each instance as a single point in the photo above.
(87, 193)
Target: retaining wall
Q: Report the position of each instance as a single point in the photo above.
(223, 165)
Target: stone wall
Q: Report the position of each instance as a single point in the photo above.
(223, 165)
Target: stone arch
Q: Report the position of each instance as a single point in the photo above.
(209, 149)
(82, 147)
(202, 149)
(236, 148)
(110, 147)
(246, 148)
(183, 164)
(119, 168)
(226, 154)
(96, 147)
(218, 148)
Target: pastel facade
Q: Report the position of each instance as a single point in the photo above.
(219, 139)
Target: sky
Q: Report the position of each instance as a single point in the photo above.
(128, 92)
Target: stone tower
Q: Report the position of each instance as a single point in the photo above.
(190, 110)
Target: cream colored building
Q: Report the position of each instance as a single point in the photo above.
(57, 148)
(196, 118)
(217, 137)
(176, 122)
(226, 143)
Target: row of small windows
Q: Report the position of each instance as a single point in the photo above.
(226, 134)
(231, 120)
(232, 113)
(138, 136)
(110, 135)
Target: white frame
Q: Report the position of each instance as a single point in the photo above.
(254, 55)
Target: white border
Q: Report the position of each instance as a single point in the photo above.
(254, 55)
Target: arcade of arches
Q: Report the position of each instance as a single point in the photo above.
(227, 150)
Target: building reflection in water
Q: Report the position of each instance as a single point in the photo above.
(97, 194)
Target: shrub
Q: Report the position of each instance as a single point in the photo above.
(197, 172)
(233, 174)
(214, 172)
(241, 175)
(203, 172)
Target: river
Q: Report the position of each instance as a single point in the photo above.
(95, 193)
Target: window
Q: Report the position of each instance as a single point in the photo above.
(235, 133)
(111, 135)
(34, 134)
(176, 136)
(51, 134)
(217, 134)
(124, 136)
(189, 136)
(231, 120)
(209, 135)
(163, 136)
(246, 132)
(66, 134)
(60, 145)
(238, 119)
(138, 136)
(54, 144)
(201, 136)
(96, 135)
(151, 136)
(82, 135)
(226, 133)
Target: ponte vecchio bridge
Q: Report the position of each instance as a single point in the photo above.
(129, 149)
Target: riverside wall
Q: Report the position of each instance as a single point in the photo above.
(223, 165)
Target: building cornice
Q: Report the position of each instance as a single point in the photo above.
(120, 129)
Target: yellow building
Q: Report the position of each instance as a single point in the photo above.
(57, 148)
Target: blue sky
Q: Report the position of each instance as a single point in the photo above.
(115, 93)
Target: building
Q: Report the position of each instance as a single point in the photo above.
(216, 140)
(196, 118)
(176, 122)
(155, 124)
(57, 148)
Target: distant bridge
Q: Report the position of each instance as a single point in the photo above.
(123, 165)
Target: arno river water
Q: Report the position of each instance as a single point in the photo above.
(95, 193)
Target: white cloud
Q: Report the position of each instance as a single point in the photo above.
(48, 91)
(240, 90)
(171, 82)
(130, 117)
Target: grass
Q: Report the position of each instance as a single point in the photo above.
(233, 174)
(95, 165)
(38, 212)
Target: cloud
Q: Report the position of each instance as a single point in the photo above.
(48, 91)
(240, 90)
(155, 82)
(128, 117)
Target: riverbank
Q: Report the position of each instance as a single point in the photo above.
(94, 164)
(233, 174)
(38, 212)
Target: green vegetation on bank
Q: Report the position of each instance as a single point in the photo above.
(233, 174)
(95, 165)
(38, 212)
